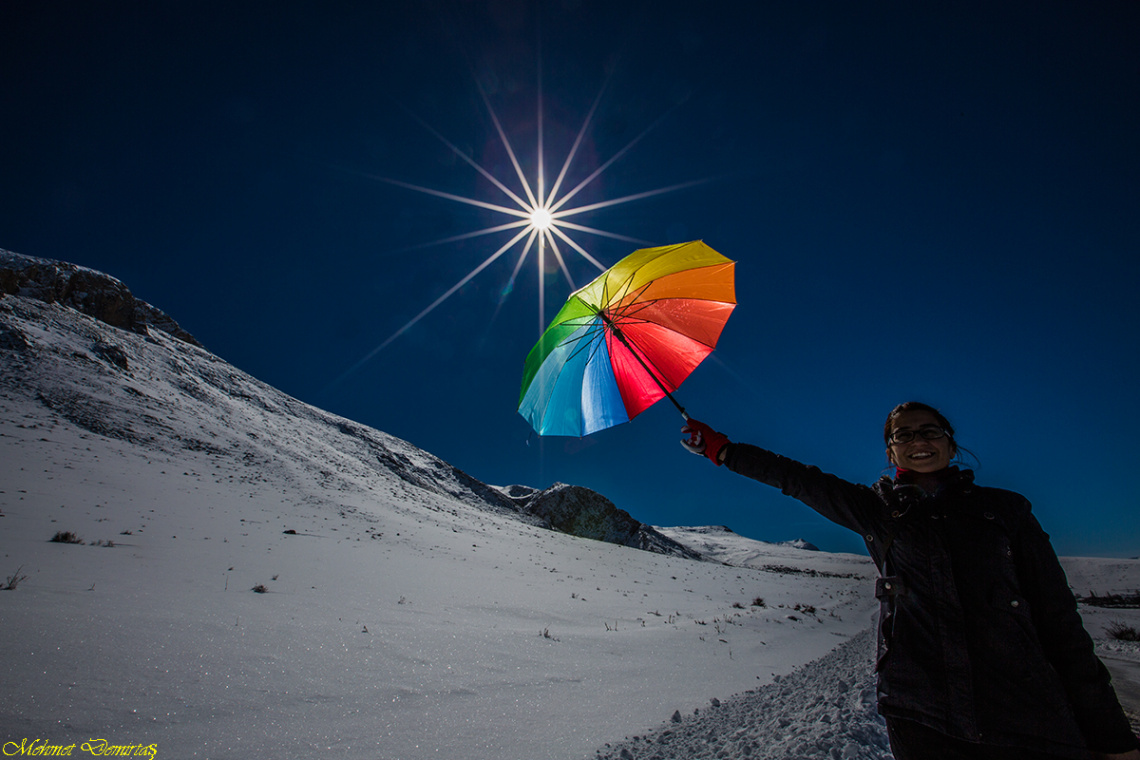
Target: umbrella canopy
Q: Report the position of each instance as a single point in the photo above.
(627, 339)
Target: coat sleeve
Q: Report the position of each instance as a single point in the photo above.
(848, 504)
(1068, 645)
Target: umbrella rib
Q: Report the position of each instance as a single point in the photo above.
(622, 291)
(583, 340)
(627, 314)
(626, 321)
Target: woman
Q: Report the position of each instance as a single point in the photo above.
(981, 651)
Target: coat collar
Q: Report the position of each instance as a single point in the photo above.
(951, 478)
(900, 495)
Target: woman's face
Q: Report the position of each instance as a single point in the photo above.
(920, 454)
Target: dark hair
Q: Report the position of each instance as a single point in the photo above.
(918, 406)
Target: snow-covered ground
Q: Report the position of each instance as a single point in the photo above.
(403, 609)
(825, 709)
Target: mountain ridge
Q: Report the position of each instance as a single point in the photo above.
(102, 359)
(87, 290)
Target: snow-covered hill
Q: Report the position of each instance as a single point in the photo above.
(249, 576)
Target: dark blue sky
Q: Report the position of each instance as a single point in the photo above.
(933, 202)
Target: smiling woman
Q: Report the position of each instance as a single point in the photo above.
(982, 652)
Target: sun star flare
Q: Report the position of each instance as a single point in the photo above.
(538, 217)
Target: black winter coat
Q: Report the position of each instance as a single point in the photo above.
(979, 634)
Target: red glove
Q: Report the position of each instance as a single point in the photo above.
(704, 440)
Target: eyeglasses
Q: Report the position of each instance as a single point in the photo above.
(928, 433)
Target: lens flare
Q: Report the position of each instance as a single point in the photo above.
(539, 215)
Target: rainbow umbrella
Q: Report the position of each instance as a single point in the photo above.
(627, 339)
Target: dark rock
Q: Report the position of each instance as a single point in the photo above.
(12, 339)
(93, 293)
(585, 513)
(112, 355)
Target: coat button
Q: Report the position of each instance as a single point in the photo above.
(887, 586)
(1015, 603)
(989, 515)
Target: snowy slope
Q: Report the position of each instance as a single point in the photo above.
(716, 542)
(409, 610)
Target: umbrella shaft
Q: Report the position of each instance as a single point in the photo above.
(620, 336)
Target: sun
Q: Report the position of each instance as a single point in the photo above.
(541, 219)
(537, 215)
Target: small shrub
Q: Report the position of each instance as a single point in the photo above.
(1118, 601)
(260, 589)
(66, 537)
(14, 580)
(785, 570)
(1122, 632)
(758, 602)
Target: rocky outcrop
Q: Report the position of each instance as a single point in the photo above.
(93, 293)
(582, 512)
